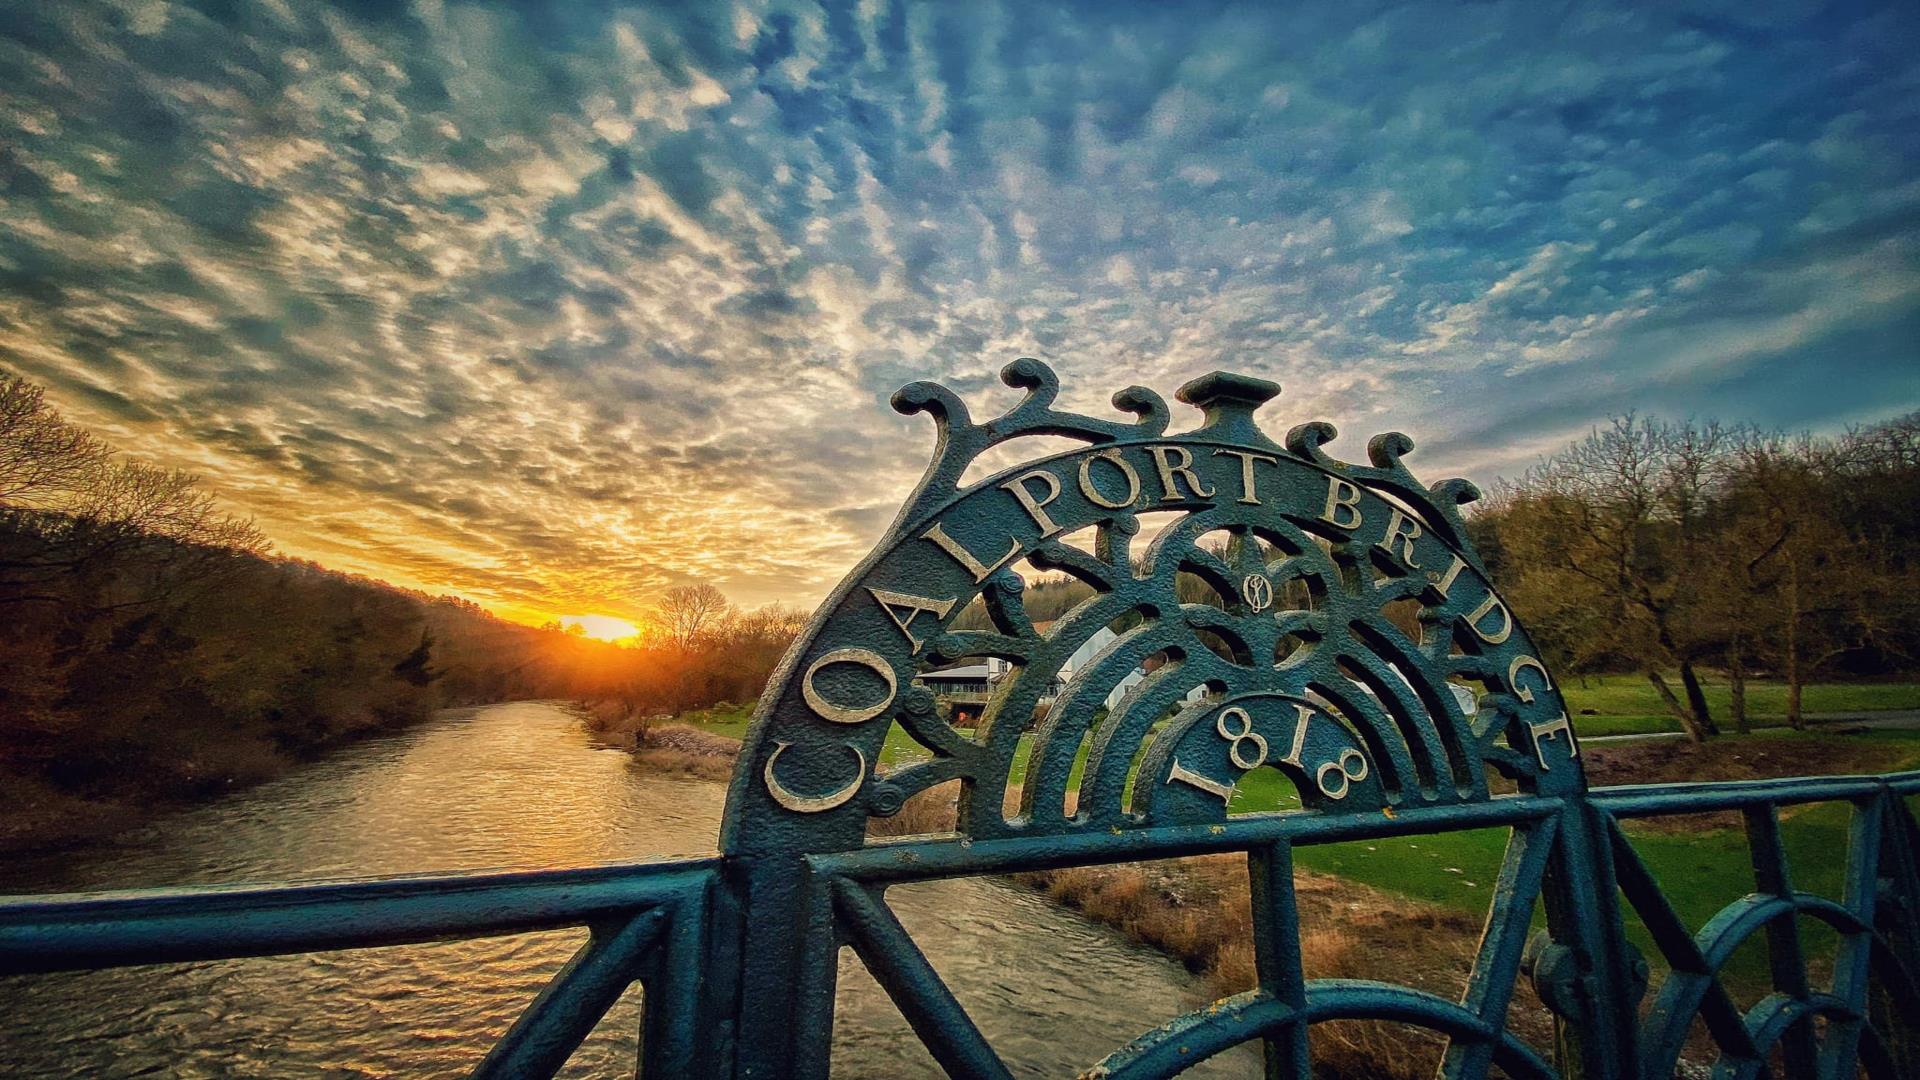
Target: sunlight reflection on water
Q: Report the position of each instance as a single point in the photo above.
(514, 786)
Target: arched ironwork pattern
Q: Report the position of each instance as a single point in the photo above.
(1325, 619)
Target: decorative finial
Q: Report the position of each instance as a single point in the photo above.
(1229, 401)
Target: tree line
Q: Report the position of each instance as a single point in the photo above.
(696, 650)
(1665, 548)
(1670, 548)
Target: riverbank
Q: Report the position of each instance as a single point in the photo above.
(1197, 910)
(661, 743)
(37, 816)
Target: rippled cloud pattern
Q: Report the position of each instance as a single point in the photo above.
(556, 305)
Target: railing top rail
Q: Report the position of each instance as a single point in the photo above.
(112, 929)
(951, 855)
(954, 856)
(1643, 800)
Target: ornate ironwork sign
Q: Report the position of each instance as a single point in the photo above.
(1325, 620)
(1289, 660)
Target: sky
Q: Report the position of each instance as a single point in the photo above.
(553, 306)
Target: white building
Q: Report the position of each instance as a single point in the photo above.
(1085, 654)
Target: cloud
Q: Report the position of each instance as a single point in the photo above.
(555, 305)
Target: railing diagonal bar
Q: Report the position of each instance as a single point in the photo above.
(545, 1035)
(1786, 960)
(1853, 958)
(1693, 985)
(922, 997)
(1497, 964)
(1893, 1000)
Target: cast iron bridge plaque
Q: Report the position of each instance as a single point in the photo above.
(1297, 613)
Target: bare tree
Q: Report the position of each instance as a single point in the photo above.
(73, 511)
(1605, 539)
(1666, 545)
(167, 504)
(42, 456)
(688, 613)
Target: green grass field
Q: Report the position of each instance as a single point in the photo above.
(723, 719)
(1628, 704)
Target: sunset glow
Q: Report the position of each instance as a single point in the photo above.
(601, 627)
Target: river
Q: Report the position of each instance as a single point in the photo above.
(515, 786)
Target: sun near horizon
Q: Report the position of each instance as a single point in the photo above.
(601, 627)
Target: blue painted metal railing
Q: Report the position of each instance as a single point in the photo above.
(647, 922)
(1265, 617)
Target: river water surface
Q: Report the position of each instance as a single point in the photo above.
(515, 786)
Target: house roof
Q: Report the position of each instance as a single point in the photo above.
(963, 673)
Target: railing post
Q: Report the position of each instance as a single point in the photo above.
(1583, 968)
(1276, 927)
(787, 963)
(686, 1027)
(1890, 1007)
